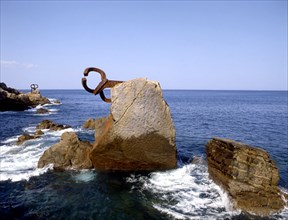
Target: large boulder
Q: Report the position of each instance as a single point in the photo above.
(13, 100)
(139, 133)
(247, 173)
(70, 152)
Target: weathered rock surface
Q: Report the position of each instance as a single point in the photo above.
(13, 100)
(36, 98)
(47, 124)
(25, 137)
(248, 174)
(89, 124)
(70, 152)
(139, 133)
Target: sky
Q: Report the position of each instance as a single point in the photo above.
(215, 45)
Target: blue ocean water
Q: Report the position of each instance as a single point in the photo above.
(259, 118)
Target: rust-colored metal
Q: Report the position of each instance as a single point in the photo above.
(33, 87)
(105, 83)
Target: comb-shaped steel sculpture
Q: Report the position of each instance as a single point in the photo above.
(105, 83)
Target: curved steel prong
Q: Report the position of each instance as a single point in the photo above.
(102, 95)
(105, 83)
(84, 84)
(94, 69)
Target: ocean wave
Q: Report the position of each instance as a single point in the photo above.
(84, 176)
(19, 162)
(186, 193)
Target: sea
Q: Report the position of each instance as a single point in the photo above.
(258, 118)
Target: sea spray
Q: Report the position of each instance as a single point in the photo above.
(186, 193)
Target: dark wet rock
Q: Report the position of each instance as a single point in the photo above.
(139, 133)
(47, 124)
(39, 132)
(57, 101)
(247, 173)
(13, 100)
(42, 111)
(89, 124)
(70, 152)
(25, 137)
(8, 89)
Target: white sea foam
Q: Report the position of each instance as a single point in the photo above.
(10, 140)
(53, 102)
(84, 176)
(187, 193)
(20, 161)
(30, 129)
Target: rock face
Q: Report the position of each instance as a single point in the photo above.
(139, 133)
(47, 124)
(36, 98)
(70, 152)
(247, 173)
(13, 100)
(89, 124)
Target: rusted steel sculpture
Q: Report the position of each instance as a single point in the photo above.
(105, 83)
(34, 87)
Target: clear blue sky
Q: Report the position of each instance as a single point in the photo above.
(182, 44)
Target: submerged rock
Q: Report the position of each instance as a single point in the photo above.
(70, 152)
(139, 133)
(248, 174)
(39, 132)
(13, 100)
(47, 124)
(42, 111)
(25, 137)
(89, 124)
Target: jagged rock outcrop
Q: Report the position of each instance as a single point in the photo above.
(25, 137)
(47, 124)
(70, 152)
(13, 100)
(139, 133)
(89, 124)
(247, 173)
(36, 98)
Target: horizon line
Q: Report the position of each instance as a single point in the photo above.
(252, 90)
